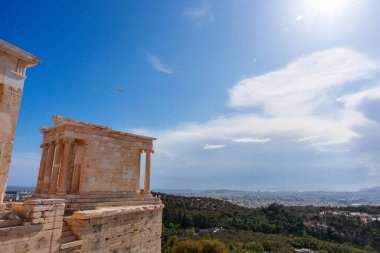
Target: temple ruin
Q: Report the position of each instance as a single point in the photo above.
(13, 64)
(86, 163)
(87, 196)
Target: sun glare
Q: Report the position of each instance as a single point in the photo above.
(328, 14)
(328, 6)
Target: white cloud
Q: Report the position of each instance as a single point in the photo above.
(211, 146)
(296, 101)
(353, 100)
(200, 13)
(301, 87)
(311, 106)
(308, 138)
(156, 63)
(253, 140)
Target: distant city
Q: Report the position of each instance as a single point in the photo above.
(254, 199)
(18, 193)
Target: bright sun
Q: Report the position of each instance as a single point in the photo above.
(328, 6)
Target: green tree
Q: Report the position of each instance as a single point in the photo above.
(201, 246)
(187, 246)
(268, 245)
(254, 246)
(212, 246)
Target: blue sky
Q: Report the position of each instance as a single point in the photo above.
(240, 94)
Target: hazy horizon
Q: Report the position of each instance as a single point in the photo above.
(284, 189)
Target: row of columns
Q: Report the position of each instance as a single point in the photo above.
(54, 166)
(147, 171)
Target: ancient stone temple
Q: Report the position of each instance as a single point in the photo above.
(13, 64)
(82, 160)
(87, 197)
(87, 165)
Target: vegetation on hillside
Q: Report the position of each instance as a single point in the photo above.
(275, 228)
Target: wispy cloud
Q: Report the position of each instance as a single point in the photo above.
(211, 146)
(201, 12)
(355, 99)
(156, 63)
(307, 138)
(298, 101)
(300, 87)
(312, 107)
(304, 94)
(252, 140)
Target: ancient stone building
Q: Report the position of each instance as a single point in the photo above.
(86, 163)
(88, 196)
(81, 159)
(13, 64)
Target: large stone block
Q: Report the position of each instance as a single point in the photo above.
(124, 229)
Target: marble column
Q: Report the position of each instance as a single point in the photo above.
(48, 168)
(138, 172)
(41, 173)
(64, 167)
(56, 167)
(77, 166)
(147, 172)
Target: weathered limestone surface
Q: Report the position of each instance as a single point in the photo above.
(134, 229)
(13, 63)
(40, 230)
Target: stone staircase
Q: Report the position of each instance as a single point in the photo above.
(69, 241)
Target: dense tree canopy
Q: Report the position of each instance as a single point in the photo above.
(333, 229)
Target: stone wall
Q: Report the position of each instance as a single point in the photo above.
(10, 99)
(13, 64)
(40, 229)
(133, 229)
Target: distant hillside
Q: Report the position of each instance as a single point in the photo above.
(201, 212)
(375, 189)
(288, 198)
(19, 188)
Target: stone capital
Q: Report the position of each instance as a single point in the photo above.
(44, 145)
(68, 140)
(148, 150)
